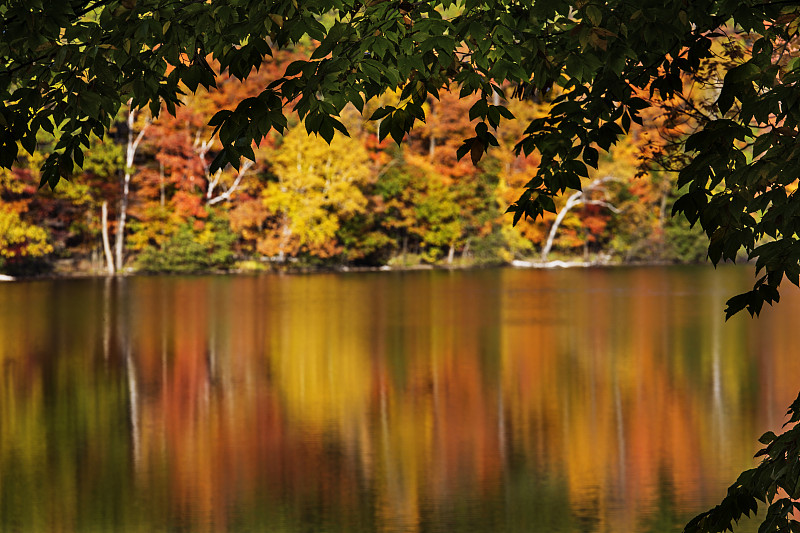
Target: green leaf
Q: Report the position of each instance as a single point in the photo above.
(295, 67)
(573, 181)
(478, 109)
(464, 149)
(762, 144)
(746, 72)
(594, 14)
(767, 437)
(547, 203)
(331, 40)
(505, 112)
(591, 156)
(381, 112)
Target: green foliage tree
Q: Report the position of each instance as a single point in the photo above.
(69, 65)
(420, 212)
(193, 247)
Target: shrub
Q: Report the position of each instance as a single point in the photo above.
(191, 249)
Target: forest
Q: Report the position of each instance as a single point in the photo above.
(146, 199)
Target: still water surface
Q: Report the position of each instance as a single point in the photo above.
(484, 401)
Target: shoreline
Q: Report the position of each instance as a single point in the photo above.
(292, 270)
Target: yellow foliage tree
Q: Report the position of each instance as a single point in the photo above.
(19, 238)
(318, 186)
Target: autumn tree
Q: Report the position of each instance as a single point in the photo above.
(420, 212)
(58, 222)
(317, 186)
(18, 238)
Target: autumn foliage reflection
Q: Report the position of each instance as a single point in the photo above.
(468, 401)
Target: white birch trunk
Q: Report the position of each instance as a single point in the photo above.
(572, 201)
(577, 198)
(106, 240)
(121, 220)
(211, 200)
(130, 153)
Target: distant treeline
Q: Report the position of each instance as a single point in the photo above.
(146, 200)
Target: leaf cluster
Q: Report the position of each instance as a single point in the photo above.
(740, 182)
(775, 483)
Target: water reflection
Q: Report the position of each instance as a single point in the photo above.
(499, 400)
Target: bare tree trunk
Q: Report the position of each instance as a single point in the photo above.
(211, 199)
(451, 254)
(572, 201)
(577, 198)
(106, 241)
(125, 184)
(121, 219)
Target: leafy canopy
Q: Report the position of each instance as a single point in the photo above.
(69, 65)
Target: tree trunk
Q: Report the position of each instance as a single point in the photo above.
(106, 241)
(125, 183)
(572, 201)
(577, 198)
(451, 254)
(121, 219)
(226, 195)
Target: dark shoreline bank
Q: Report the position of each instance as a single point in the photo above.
(64, 273)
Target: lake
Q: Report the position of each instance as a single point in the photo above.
(494, 400)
